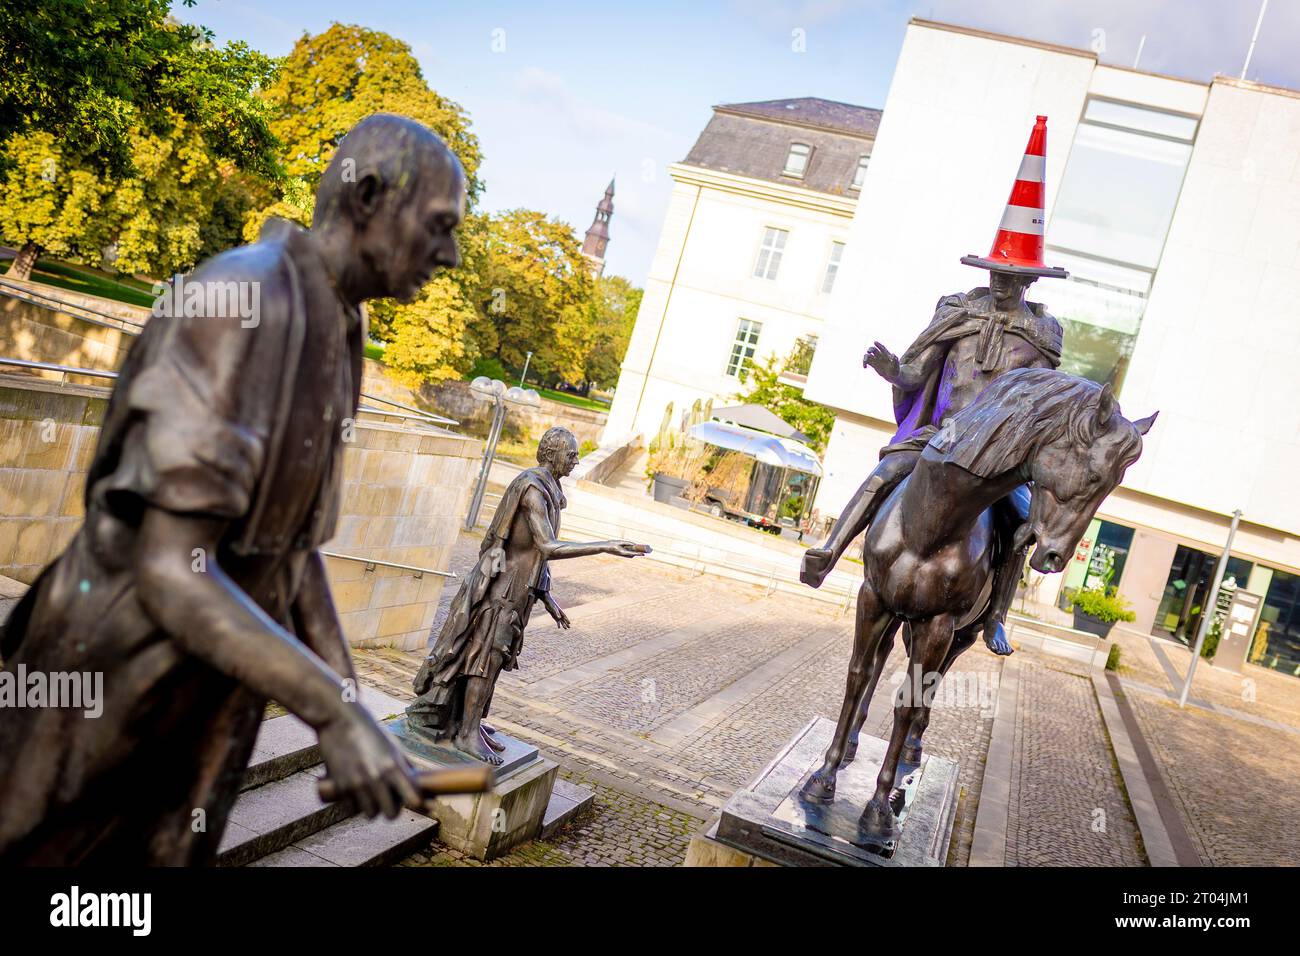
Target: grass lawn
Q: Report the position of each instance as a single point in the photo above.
(564, 398)
(89, 281)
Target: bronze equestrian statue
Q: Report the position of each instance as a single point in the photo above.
(484, 632)
(195, 584)
(929, 554)
(972, 339)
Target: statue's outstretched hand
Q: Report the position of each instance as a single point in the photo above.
(628, 549)
(883, 361)
(365, 764)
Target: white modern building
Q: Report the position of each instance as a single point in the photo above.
(1175, 206)
(749, 253)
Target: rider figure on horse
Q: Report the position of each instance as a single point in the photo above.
(973, 338)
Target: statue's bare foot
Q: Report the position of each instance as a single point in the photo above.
(815, 566)
(996, 639)
(473, 745)
(487, 734)
(820, 788)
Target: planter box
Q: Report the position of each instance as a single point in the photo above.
(666, 487)
(1090, 624)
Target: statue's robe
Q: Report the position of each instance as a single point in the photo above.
(208, 418)
(920, 411)
(484, 630)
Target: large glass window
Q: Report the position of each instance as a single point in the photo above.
(769, 254)
(1277, 642)
(742, 350)
(1109, 226)
(1188, 586)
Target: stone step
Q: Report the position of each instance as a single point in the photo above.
(285, 745)
(357, 841)
(276, 815)
(568, 803)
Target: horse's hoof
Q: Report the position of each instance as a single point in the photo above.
(818, 789)
(878, 823)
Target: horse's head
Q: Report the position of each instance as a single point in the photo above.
(1073, 474)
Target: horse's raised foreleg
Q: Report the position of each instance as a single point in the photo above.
(931, 641)
(911, 758)
(871, 624)
(886, 645)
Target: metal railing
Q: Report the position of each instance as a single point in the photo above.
(84, 312)
(66, 370)
(417, 412)
(371, 563)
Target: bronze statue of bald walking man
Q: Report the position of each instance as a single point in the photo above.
(195, 584)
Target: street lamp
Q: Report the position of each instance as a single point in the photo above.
(494, 390)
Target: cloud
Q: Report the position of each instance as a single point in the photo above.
(583, 118)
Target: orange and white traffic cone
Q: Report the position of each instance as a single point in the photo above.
(1018, 246)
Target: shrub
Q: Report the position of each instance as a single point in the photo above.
(1112, 659)
(1103, 604)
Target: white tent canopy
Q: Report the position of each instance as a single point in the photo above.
(769, 449)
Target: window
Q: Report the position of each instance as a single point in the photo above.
(769, 256)
(743, 349)
(1108, 229)
(832, 266)
(860, 174)
(796, 161)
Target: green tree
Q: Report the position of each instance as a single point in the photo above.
(334, 80)
(93, 73)
(538, 290)
(148, 221)
(131, 174)
(614, 307)
(764, 387)
(328, 84)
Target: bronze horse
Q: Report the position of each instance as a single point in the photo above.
(928, 551)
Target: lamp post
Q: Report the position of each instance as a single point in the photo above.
(1208, 609)
(524, 374)
(493, 390)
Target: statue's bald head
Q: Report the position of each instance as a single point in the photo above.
(398, 192)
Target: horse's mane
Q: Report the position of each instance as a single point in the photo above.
(1020, 412)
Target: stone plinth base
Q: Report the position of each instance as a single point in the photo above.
(769, 820)
(486, 825)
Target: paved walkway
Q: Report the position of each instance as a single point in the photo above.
(671, 690)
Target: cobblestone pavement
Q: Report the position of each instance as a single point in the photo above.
(1236, 784)
(1258, 691)
(1068, 806)
(671, 690)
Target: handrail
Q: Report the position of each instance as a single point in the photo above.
(389, 564)
(54, 367)
(419, 420)
(64, 305)
(418, 411)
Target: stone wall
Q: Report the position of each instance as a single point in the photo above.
(456, 401)
(404, 497)
(405, 493)
(37, 334)
(47, 438)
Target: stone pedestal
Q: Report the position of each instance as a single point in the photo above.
(769, 820)
(486, 825)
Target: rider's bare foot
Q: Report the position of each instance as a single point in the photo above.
(487, 733)
(996, 639)
(472, 744)
(815, 566)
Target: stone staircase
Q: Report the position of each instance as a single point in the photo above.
(279, 820)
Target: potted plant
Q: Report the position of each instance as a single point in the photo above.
(1097, 609)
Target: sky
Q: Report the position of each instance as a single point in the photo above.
(565, 96)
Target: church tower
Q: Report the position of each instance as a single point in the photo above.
(593, 247)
